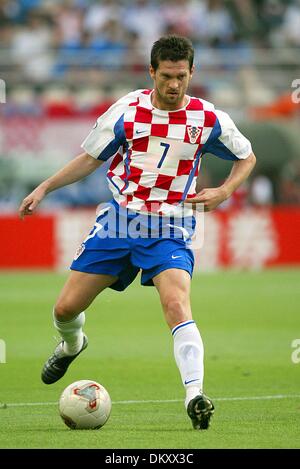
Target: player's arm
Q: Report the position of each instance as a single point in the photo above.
(230, 144)
(75, 170)
(103, 141)
(212, 197)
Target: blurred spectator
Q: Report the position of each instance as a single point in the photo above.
(245, 17)
(6, 34)
(98, 14)
(68, 20)
(144, 18)
(17, 11)
(186, 18)
(219, 24)
(290, 183)
(261, 192)
(291, 24)
(271, 13)
(110, 45)
(135, 56)
(31, 46)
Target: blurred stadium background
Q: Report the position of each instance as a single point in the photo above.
(65, 62)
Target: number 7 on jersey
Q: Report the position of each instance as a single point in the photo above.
(166, 146)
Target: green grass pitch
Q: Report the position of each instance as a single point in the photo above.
(248, 322)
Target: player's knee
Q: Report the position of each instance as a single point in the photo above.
(175, 311)
(64, 311)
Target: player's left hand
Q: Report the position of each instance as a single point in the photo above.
(210, 198)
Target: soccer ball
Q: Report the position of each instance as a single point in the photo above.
(85, 404)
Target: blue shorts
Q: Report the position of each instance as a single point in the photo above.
(117, 250)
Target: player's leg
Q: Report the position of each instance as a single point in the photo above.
(77, 294)
(173, 286)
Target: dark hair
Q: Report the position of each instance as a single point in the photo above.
(172, 48)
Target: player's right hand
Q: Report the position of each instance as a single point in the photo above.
(30, 202)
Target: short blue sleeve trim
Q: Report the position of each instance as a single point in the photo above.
(221, 151)
(114, 145)
(216, 147)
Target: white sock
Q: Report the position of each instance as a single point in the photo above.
(71, 333)
(191, 392)
(189, 355)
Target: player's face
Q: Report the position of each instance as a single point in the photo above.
(171, 80)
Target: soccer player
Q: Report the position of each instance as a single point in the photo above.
(156, 138)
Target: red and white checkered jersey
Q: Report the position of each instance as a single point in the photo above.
(157, 153)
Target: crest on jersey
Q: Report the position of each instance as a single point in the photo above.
(193, 133)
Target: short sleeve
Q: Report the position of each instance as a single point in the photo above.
(227, 141)
(108, 133)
